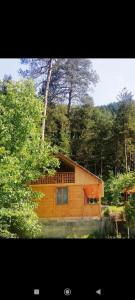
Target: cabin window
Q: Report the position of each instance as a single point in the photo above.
(92, 200)
(62, 195)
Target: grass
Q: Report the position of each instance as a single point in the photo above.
(113, 209)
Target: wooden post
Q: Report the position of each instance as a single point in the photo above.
(128, 233)
(117, 232)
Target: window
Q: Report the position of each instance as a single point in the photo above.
(92, 200)
(62, 195)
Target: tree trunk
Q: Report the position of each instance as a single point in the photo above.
(117, 232)
(115, 167)
(126, 167)
(101, 166)
(46, 99)
(69, 100)
(130, 168)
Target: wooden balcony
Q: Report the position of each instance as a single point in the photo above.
(59, 177)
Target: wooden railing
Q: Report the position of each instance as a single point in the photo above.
(60, 177)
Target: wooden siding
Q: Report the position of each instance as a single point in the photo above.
(81, 177)
(47, 206)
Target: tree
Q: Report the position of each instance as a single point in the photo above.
(82, 132)
(3, 83)
(130, 216)
(124, 132)
(21, 159)
(58, 127)
(71, 79)
(118, 185)
(91, 134)
(41, 70)
(46, 98)
(115, 188)
(77, 80)
(102, 143)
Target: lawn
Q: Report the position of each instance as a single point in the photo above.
(113, 208)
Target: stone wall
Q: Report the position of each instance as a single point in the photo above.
(69, 227)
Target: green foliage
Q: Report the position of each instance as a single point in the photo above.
(130, 212)
(19, 222)
(108, 194)
(95, 136)
(72, 77)
(124, 133)
(21, 158)
(102, 153)
(91, 133)
(58, 127)
(106, 212)
(99, 138)
(82, 132)
(116, 185)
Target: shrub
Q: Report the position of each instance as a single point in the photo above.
(22, 158)
(106, 212)
(19, 223)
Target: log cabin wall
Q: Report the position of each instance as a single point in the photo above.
(48, 207)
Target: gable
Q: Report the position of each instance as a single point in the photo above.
(83, 177)
(79, 170)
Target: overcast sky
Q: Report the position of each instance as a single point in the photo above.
(115, 74)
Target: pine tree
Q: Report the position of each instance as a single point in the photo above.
(124, 133)
(41, 71)
(58, 127)
(79, 76)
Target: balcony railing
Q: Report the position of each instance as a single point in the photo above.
(60, 177)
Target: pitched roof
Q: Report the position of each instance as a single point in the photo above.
(74, 163)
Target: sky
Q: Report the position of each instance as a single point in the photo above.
(114, 74)
(9, 66)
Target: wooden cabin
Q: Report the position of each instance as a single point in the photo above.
(72, 192)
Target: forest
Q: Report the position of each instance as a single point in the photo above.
(51, 109)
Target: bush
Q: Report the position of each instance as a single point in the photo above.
(106, 212)
(19, 223)
(22, 158)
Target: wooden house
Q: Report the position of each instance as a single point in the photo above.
(72, 192)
